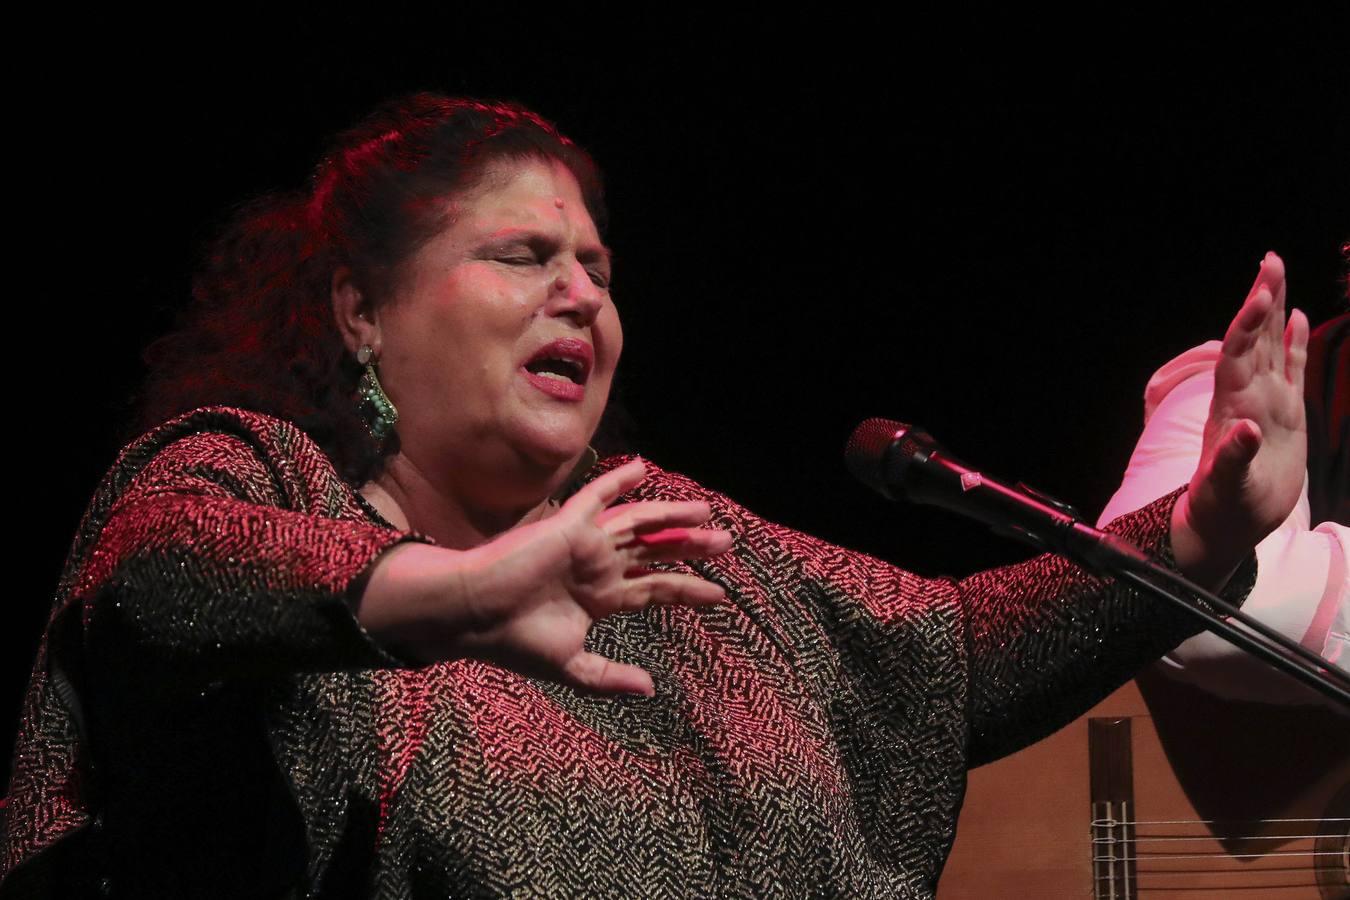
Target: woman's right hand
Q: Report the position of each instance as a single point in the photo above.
(526, 599)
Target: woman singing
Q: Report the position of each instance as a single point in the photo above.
(355, 617)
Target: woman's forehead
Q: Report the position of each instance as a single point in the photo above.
(522, 193)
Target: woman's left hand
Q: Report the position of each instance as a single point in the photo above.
(1254, 452)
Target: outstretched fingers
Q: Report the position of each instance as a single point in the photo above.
(632, 519)
(1272, 273)
(1265, 301)
(592, 499)
(671, 544)
(670, 588)
(1296, 349)
(592, 672)
(664, 531)
(1251, 322)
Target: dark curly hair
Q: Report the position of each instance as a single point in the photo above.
(1345, 273)
(260, 332)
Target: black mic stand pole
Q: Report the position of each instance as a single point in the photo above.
(1261, 641)
(908, 456)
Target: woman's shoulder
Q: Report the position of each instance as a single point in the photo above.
(223, 452)
(773, 542)
(665, 485)
(264, 432)
(254, 452)
(658, 484)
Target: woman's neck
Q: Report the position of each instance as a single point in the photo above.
(412, 502)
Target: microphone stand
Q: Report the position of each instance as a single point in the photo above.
(901, 460)
(1111, 555)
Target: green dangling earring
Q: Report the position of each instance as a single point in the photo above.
(377, 411)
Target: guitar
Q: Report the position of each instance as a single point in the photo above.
(1163, 792)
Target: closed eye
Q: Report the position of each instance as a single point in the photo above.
(530, 249)
(517, 250)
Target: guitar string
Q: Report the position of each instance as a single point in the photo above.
(1207, 837)
(1141, 857)
(1135, 822)
(1159, 879)
(1168, 857)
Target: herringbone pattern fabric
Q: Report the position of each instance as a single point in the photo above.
(244, 737)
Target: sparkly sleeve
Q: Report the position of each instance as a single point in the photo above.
(218, 561)
(1046, 640)
(221, 544)
(1004, 657)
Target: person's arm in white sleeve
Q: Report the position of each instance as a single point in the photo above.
(1302, 588)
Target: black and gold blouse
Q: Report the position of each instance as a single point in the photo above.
(207, 719)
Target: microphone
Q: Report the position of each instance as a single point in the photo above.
(903, 461)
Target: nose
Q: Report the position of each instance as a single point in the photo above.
(574, 295)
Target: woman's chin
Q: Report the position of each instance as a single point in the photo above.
(554, 450)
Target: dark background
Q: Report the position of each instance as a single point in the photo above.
(985, 227)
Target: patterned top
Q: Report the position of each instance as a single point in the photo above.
(206, 717)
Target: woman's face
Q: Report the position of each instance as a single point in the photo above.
(500, 345)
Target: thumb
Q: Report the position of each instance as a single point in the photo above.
(1236, 450)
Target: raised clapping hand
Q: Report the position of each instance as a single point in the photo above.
(1255, 445)
(526, 599)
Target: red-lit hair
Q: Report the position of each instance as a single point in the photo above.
(260, 332)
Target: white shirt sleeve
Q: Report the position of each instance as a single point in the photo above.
(1302, 588)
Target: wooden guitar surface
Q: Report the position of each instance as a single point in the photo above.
(1231, 800)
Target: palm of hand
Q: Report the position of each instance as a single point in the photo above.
(560, 581)
(541, 587)
(1255, 443)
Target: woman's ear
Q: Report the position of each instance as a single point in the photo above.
(355, 314)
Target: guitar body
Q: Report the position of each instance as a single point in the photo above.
(1178, 795)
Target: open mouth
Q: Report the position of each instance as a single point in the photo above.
(565, 360)
(558, 367)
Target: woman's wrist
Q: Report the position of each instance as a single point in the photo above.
(1205, 552)
(414, 601)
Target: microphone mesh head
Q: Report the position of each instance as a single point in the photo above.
(866, 450)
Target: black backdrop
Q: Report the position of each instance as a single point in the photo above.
(991, 228)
